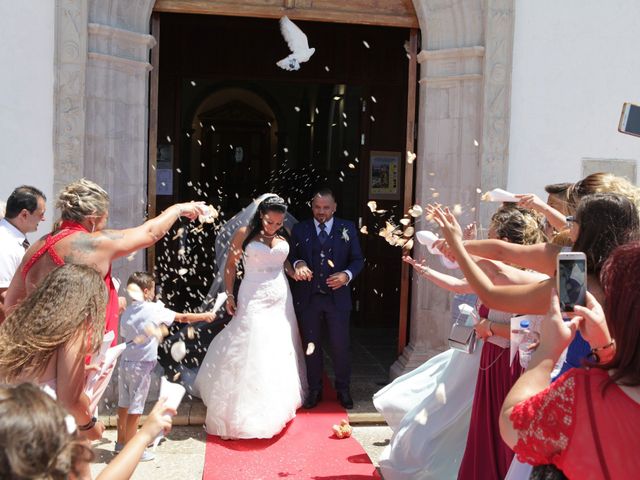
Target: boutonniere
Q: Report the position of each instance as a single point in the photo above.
(345, 234)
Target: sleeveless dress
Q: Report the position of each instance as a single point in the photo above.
(69, 228)
(253, 377)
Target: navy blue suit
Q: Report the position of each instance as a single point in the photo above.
(319, 306)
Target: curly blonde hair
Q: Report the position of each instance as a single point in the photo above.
(518, 225)
(35, 442)
(82, 199)
(70, 300)
(601, 182)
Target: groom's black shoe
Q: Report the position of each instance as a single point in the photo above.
(345, 399)
(313, 397)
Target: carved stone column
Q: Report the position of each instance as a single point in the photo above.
(70, 58)
(462, 135)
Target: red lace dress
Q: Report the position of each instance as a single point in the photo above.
(68, 228)
(556, 426)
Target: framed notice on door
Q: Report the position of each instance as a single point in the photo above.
(384, 175)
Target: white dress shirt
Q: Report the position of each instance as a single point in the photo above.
(11, 251)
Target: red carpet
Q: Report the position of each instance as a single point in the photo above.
(305, 449)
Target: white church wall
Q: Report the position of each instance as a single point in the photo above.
(26, 99)
(574, 64)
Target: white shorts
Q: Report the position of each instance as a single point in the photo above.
(134, 379)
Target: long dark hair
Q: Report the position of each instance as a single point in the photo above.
(606, 221)
(269, 204)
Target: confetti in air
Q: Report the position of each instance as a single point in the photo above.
(475, 142)
(330, 263)
(410, 157)
(416, 211)
(366, 44)
(178, 351)
(310, 348)
(364, 230)
(193, 84)
(135, 292)
(373, 206)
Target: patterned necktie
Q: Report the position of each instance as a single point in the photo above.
(26, 244)
(322, 236)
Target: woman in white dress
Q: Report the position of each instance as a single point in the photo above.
(253, 378)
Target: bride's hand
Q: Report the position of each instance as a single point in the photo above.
(231, 305)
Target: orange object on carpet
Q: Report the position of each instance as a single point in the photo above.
(305, 449)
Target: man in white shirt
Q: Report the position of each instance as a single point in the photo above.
(24, 211)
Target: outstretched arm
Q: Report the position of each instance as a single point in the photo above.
(540, 257)
(555, 218)
(123, 465)
(529, 298)
(120, 243)
(195, 317)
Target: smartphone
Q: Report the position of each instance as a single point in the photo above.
(630, 119)
(572, 280)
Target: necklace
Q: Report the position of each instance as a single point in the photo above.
(268, 236)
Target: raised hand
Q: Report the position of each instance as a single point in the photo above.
(158, 421)
(192, 210)
(447, 222)
(420, 266)
(531, 201)
(470, 231)
(555, 333)
(594, 324)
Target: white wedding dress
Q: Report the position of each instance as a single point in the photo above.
(253, 377)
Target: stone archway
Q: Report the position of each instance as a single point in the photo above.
(463, 133)
(101, 116)
(101, 103)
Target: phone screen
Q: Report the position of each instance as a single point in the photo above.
(632, 125)
(572, 275)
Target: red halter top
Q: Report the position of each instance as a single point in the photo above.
(67, 228)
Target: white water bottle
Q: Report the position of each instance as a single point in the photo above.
(529, 338)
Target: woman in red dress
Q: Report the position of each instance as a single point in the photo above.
(81, 238)
(587, 421)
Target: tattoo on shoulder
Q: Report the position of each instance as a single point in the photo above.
(84, 243)
(112, 234)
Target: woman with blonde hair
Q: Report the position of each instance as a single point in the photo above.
(601, 182)
(46, 338)
(80, 237)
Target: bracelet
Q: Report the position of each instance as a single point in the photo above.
(230, 295)
(89, 425)
(611, 344)
(490, 329)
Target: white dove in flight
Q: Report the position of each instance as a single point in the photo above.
(298, 44)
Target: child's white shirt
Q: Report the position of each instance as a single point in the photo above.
(132, 323)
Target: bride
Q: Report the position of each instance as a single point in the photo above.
(253, 378)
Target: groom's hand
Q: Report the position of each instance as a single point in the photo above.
(337, 280)
(302, 272)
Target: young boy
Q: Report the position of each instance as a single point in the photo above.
(139, 359)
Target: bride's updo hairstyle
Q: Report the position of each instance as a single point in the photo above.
(273, 203)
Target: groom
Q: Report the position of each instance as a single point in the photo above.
(326, 256)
